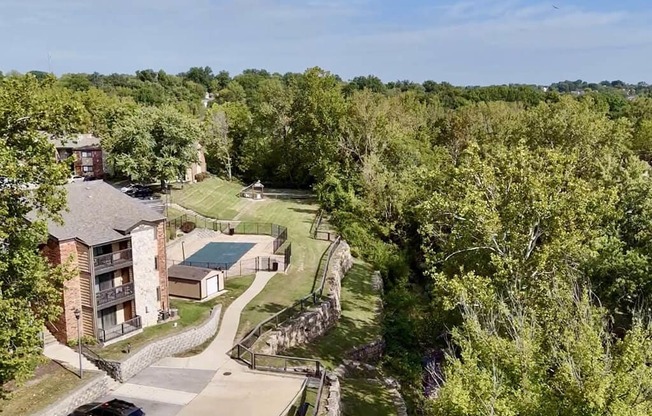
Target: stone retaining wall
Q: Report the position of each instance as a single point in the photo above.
(166, 347)
(334, 399)
(368, 353)
(315, 322)
(97, 387)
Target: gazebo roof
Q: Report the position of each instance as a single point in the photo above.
(258, 184)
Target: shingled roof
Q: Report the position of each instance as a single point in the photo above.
(99, 213)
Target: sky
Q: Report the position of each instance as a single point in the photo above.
(467, 42)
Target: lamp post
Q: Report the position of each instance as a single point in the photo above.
(79, 342)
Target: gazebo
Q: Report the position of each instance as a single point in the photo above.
(257, 190)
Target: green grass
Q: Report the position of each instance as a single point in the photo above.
(190, 314)
(358, 325)
(362, 398)
(50, 383)
(213, 197)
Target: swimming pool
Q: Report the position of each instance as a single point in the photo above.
(218, 255)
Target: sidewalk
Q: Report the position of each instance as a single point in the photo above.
(201, 384)
(63, 354)
(215, 356)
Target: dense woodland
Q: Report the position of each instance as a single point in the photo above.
(512, 225)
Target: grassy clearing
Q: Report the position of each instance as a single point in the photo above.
(50, 383)
(284, 289)
(362, 398)
(358, 325)
(190, 314)
(216, 198)
(212, 197)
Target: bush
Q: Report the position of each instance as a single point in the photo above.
(201, 176)
(187, 226)
(85, 340)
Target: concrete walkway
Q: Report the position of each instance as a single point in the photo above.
(215, 355)
(211, 382)
(68, 356)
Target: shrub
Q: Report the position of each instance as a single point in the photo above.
(201, 176)
(85, 340)
(187, 226)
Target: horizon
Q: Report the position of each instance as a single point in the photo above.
(469, 43)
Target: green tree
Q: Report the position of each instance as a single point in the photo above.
(30, 290)
(217, 140)
(154, 143)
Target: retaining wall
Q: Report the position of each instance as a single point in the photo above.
(315, 322)
(97, 387)
(334, 399)
(175, 344)
(368, 353)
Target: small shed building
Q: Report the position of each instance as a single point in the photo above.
(194, 282)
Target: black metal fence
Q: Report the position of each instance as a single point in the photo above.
(279, 232)
(246, 266)
(246, 344)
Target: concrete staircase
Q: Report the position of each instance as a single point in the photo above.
(63, 354)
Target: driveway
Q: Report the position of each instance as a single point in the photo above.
(211, 383)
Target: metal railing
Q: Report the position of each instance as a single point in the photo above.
(107, 334)
(115, 294)
(112, 259)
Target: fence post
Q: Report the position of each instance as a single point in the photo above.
(253, 360)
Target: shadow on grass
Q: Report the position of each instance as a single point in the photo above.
(358, 325)
(361, 398)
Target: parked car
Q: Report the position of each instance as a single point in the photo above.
(76, 178)
(141, 192)
(113, 407)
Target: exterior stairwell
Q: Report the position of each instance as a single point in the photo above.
(63, 354)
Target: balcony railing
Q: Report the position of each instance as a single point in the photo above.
(107, 334)
(115, 295)
(116, 258)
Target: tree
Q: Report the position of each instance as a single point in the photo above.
(216, 138)
(511, 360)
(201, 76)
(30, 290)
(154, 143)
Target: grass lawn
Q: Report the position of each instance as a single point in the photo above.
(213, 197)
(50, 383)
(358, 325)
(217, 198)
(362, 398)
(190, 314)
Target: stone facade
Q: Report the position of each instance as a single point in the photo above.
(162, 264)
(144, 245)
(97, 387)
(153, 352)
(317, 321)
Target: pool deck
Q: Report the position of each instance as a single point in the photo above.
(199, 238)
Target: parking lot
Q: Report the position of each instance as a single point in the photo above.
(162, 391)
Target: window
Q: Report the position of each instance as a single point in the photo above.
(155, 262)
(107, 317)
(86, 154)
(103, 281)
(158, 293)
(86, 168)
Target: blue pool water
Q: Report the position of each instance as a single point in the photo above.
(218, 255)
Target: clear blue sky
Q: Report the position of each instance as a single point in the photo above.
(463, 42)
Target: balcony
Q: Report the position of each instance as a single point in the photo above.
(115, 260)
(107, 334)
(114, 295)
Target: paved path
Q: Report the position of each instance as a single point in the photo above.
(212, 383)
(66, 355)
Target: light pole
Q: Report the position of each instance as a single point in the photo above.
(79, 342)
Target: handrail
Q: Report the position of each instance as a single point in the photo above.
(109, 259)
(294, 399)
(319, 393)
(315, 223)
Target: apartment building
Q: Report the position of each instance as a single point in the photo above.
(117, 249)
(88, 159)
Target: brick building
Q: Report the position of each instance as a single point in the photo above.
(117, 248)
(88, 158)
